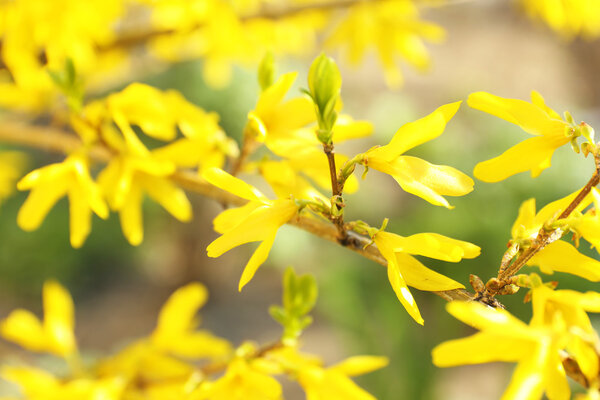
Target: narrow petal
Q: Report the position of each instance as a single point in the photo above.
(260, 256)
(130, 215)
(168, 195)
(557, 386)
(25, 329)
(258, 226)
(478, 349)
(39, 202)
(346, 128)
(59, 317)
(438, 246)
(274, 94)
(531, 118)
(563, 257)
(533, 154)
(399, 285)
(359, 365)
(231, 217)
(178, 315)
(80, 217)
(527, 382)
(484, 317)
(420, 277)
(231, 184)
(523, 227)
(415, 133)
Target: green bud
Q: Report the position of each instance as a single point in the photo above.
(324, 81)
(266, 71)
(569, 117)
(574, 145)
(523, 280)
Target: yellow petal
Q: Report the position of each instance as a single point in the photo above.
(415, 133)
(480, 348)
(231, 184)
(538, 100)
(177, 315)
(80, 217)
(527, 382)
(484, 317)
(275, 93)
(523, 227)
(39, 202)
(258, 257)
(258, 226)
(130, 215)
(533, 154)
(59, 318)
(168, 195)
(346, 128)
(359, 365)
(563, 257)
(420, 277)
(200, 344)
(231, 217)
(437, 246)
(428, 181)
(25, 329)
(555, 379)
(531, 118)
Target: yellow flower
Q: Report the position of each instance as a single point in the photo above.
(131, 174)
(428, 181)
(331, 383)
(404, 269)
(535, 118)
(243, 380)
(569, 19)
(53, 335)
(257, 221)
(176, 330)
(12, 164)
(393, 28)
(48, 184)
(38, 384)
(284, 181)
(588, 225)
(502, 337)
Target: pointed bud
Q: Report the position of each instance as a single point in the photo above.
(476, 283)
(266, 71)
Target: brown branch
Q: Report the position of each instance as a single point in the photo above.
(55, 140)
(336, 191)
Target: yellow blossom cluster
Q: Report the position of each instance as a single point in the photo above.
(570, 18)
(176, 361)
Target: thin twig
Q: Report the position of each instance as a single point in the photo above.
(336, 191)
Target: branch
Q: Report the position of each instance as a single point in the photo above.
(56, 140)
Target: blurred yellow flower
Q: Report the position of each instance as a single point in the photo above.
(502, 337)
(55, 334)
(176, 331)
(393, 29)
(131, 174)
(48, 184)
(569, 18)
(535, 118)
(428, 181)
(257, 221)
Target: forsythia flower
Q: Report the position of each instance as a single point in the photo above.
(535, 118)
(428, 181)
(285, 128)
(258, 220)
(131, 174)
(38, 384)
(403, 269)
(568, 18)
(176, 330)
(558, 255)
(48, 184)
(331, 383)
(55, 334)
(392, 28)
(502, 337)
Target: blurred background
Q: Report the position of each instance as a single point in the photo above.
(492, 46)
